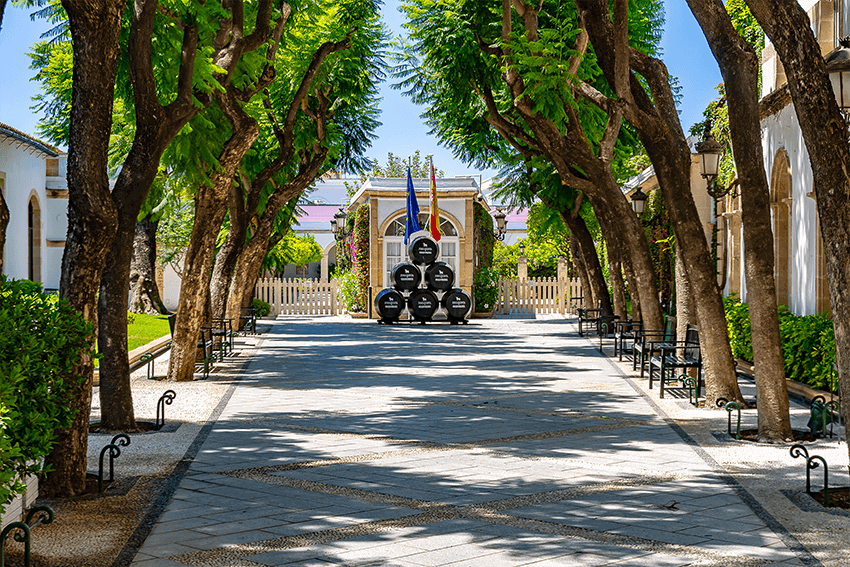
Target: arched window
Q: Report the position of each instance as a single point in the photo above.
(34, 240)
(395, 252)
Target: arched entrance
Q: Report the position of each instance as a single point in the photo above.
(395, 251)
(780, 209)
(33, 240)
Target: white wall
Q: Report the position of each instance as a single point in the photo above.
(782, 131)
(25, 175)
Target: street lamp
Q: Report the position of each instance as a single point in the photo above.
(501, 225)
(522, 249)
(338, 224)
(710, 152)
(638, 201)
(838, 67)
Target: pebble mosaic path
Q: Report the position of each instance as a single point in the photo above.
(500, 443)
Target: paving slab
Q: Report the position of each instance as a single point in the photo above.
(503, 442)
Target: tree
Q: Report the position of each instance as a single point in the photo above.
(532, 86)
(4, 223)
(644, 96)
(92, 221)
(739, 65)
(332, 108)
(788, 27)
(337, 34)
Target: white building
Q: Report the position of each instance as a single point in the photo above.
(801, 283)
(32, 179)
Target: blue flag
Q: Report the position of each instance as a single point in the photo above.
(412, 210)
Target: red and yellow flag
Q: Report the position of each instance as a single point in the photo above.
(434, 220)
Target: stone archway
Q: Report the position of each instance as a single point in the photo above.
(781, 201)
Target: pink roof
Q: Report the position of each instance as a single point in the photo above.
(318, 213)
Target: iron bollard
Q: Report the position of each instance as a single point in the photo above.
(729, 407)
(22, 531)
(166, 398)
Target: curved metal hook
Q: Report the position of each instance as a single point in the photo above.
(169, 396)
(721, 402)
(812, 463)
(122, 439)
(820, 399)
(799, 451)
(729, 407)
(21, 535)
(114, 451)
(45, 515)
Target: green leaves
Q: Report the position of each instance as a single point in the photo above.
(43, 340)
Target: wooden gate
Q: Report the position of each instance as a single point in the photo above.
(298, 296)
(533, 296)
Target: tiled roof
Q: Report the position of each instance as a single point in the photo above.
(6, 130)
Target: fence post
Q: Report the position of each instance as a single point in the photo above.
(561, 290)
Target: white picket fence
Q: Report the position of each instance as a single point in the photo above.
(537, 296)
(312, 297)
(298, 296)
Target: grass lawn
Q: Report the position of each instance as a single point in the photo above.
(142, 329)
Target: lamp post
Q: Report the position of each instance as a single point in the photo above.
(838, 67)
(338, 224)
(639, 201)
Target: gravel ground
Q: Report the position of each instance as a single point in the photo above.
(93, 531)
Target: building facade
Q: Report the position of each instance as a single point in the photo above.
(32, 179)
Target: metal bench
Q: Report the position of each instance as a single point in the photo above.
(677, 355)
(648, 342)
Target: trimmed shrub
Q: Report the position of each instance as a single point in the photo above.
(808, 343)
(261, 308)
(43, 339)
(486, 286)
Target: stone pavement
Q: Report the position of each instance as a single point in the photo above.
(499, 443)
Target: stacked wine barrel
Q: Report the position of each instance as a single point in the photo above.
(422, 287)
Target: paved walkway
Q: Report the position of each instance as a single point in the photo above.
(500, 443)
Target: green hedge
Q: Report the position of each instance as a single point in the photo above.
(42, 341)
(808, 343)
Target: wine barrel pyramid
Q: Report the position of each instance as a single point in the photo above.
(423, 286)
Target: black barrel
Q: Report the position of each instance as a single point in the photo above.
(422, 249)
(423, 304)
(439, 276)
(389, 304)
(406, 277)
(457, 304)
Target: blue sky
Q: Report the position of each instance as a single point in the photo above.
(686, 55)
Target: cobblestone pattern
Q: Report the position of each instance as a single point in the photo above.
(503, 443)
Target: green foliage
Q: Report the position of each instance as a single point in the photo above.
(808, 349)
(482, 224)
(174, 232)
(292, 250)
(808, 343)
(738, 324)
(43, 340)
(359, 242)
(548, 239)
(505, 260)
(262, 308)
(349, 292)
(486, 287)
(662, 240)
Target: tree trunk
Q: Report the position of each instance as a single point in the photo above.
(685, 308)
(585, 251)
(95, 26)
(740, 69)
(656, 120)
(615, 271)
(4, 224)
(250, 258)
(822, 125)
(144, 291)
(228, 254)
(210, 208)
(635, 298)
